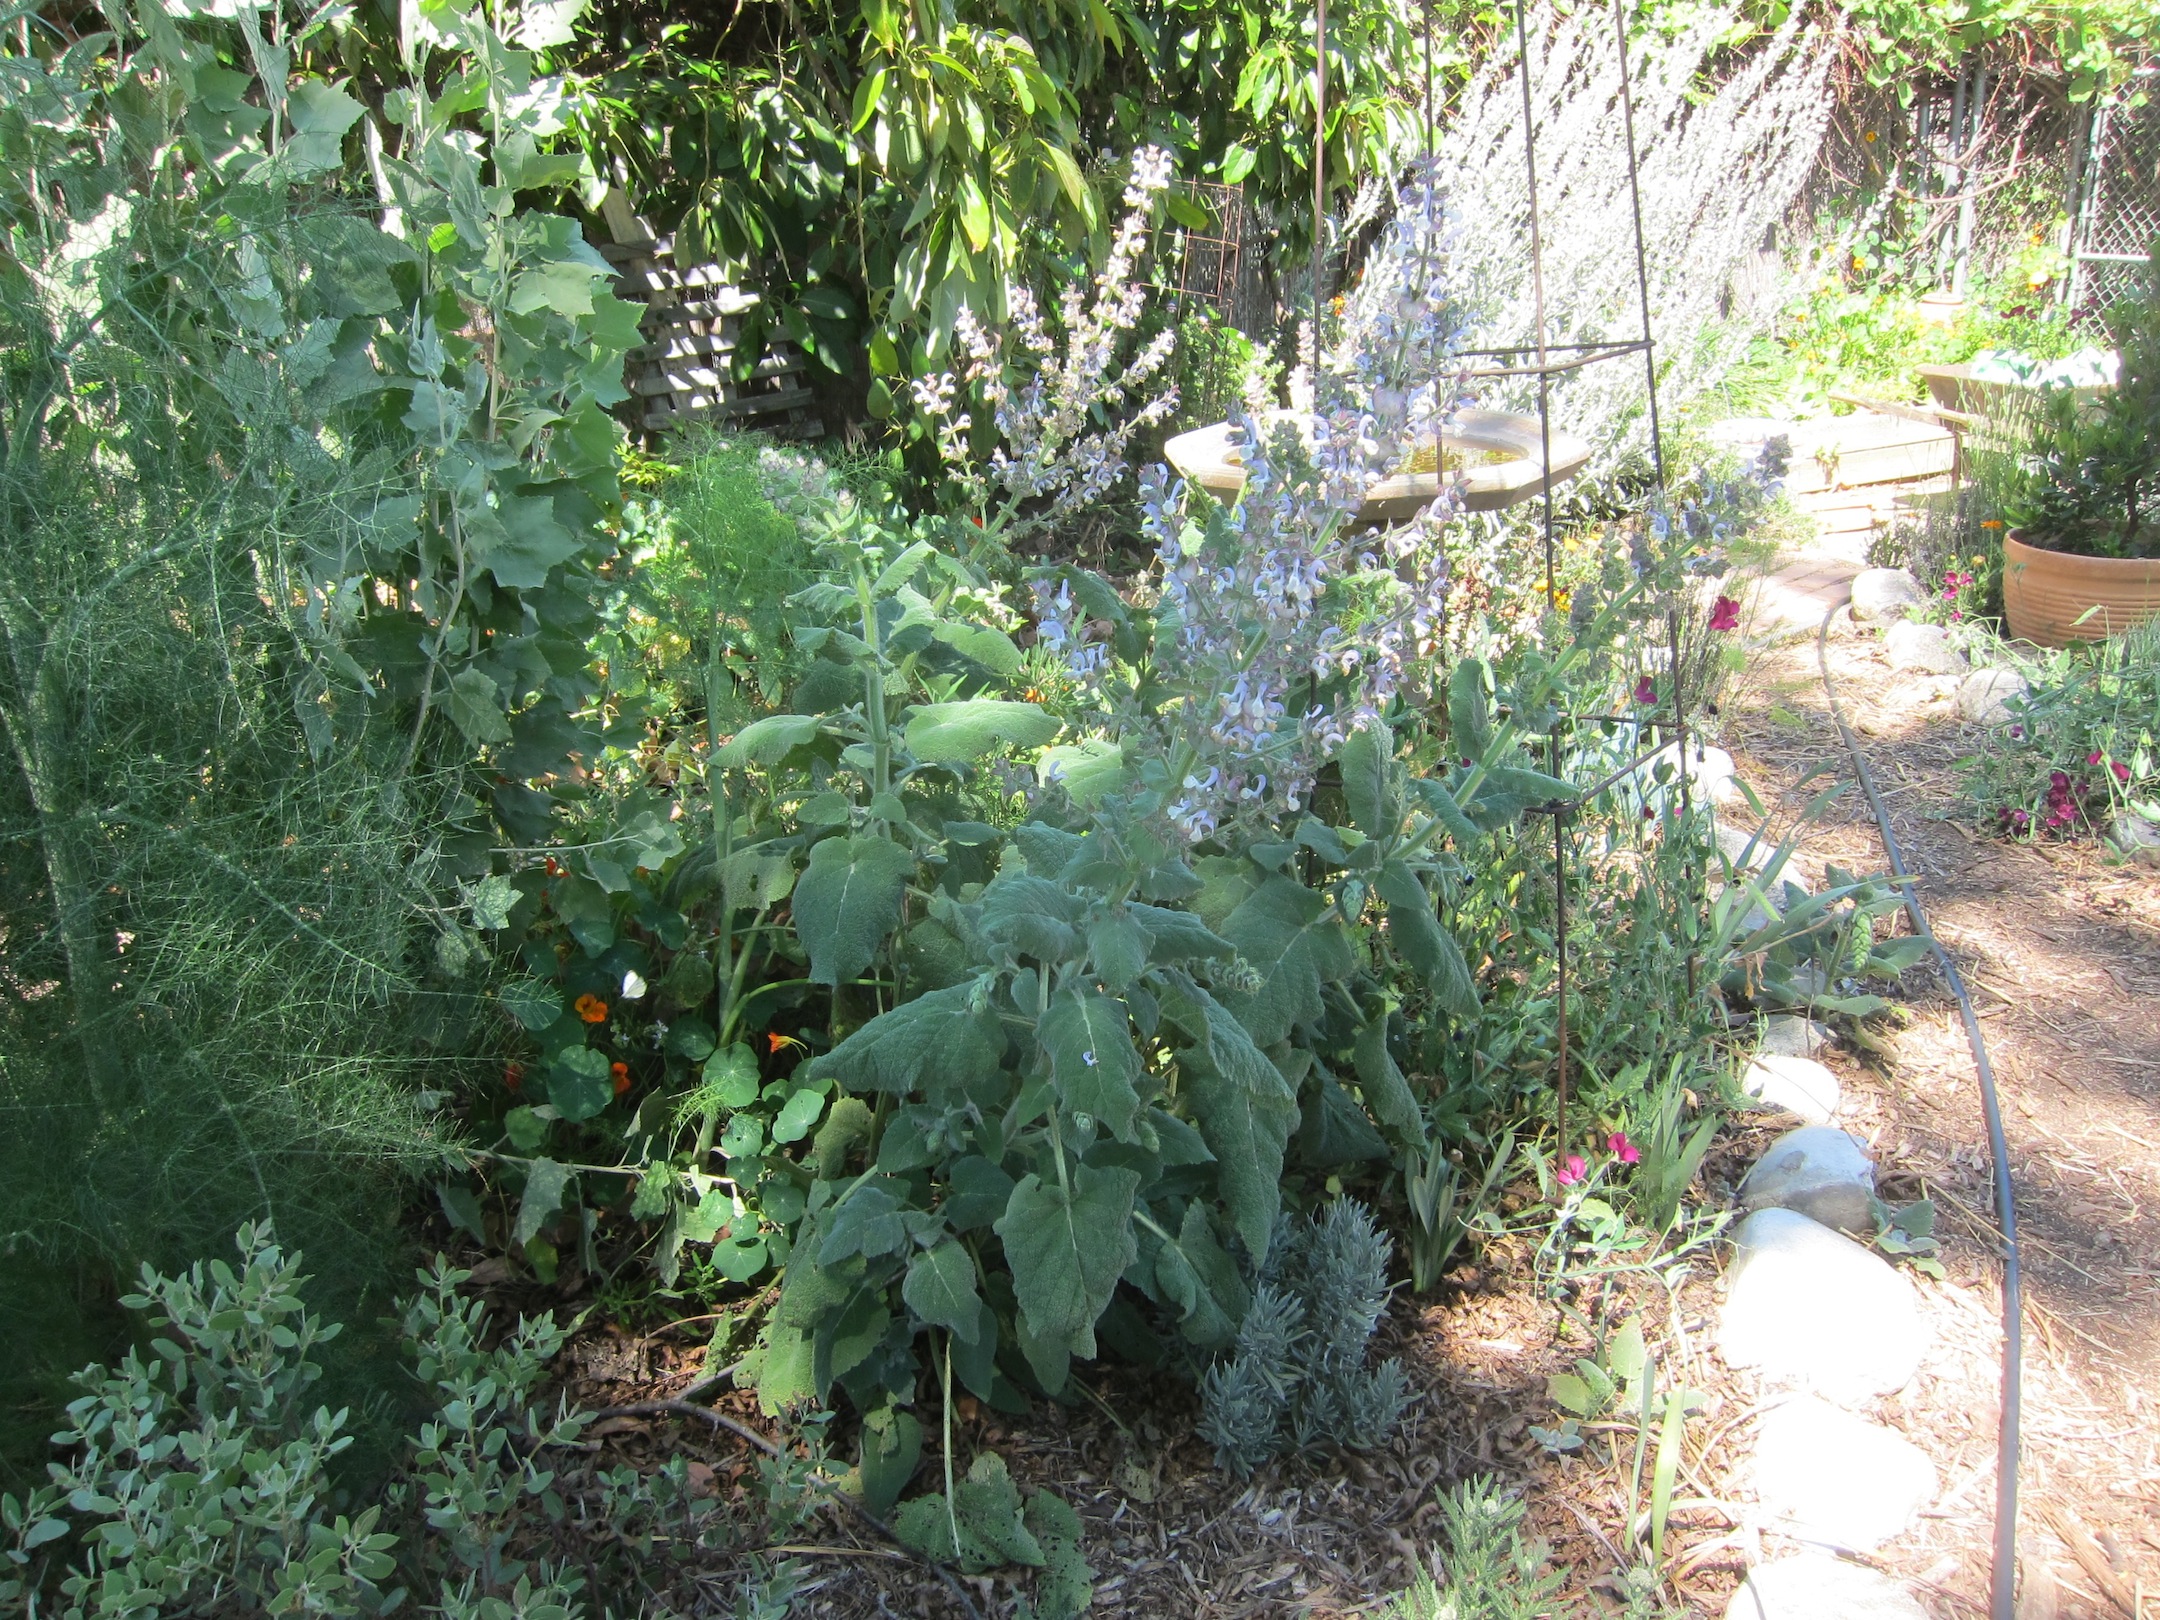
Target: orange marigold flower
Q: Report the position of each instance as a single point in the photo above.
(591, 1008)
(621, 1072)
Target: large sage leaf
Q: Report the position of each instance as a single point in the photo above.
(958, 733)
(1092, 1060)
(1289, 935)
(1424, 944)
(1387, 1093)
(1067, 1252)
(1245, 1128)
(940, 1288)
(847, 901)
(1366, 761)
(1194, 1274)
(934, 1044)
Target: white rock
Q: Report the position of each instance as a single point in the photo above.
(1790, 1035)
(1982, 695)
(1798, 1085)
(1815, 1586)
(1821, 1173)
(1735, 841)
(1711, 773)
(1880, 594)
(1808, 1306)
(1922, 647)
(1826, 1476)
(2135, 839)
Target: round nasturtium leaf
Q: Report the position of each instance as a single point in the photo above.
(734, 1074)
(579, 1084)
(739, 1258)
(797, 1115)
(744, 1136)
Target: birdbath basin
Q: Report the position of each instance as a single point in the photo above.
(1499, 458)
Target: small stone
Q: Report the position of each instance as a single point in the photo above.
(1983, 696)
(1809, 1306)
(1826, 1476)
(1922, 647)
(1815, 1586)
(1818, 1172)
(2135, 839)
(1798, 1085)
(1882, 594)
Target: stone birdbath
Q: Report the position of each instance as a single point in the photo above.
(1499, 458)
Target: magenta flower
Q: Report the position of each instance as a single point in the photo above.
(1622, 1149)
(2122, 771)
(1724, 614)
(1646, 690)
(2093, 758)
(1572, 1172)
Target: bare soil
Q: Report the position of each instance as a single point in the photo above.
(2063, 952)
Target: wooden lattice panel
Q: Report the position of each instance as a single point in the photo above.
(683, 373)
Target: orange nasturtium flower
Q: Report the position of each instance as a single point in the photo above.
(621, 1072)
(775, 1041)
(1991, 523)
(591, 1008)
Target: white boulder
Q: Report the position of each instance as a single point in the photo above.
(1815, 1586)
(2135, 839)
(1800, 1086)
(1982, 696)
(1790, 1035)
(1818, 1172)
(1922, 647)
(1826, 1476)
(1883, 594)
(1807, 1306)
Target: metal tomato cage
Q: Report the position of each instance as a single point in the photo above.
(1544, 360)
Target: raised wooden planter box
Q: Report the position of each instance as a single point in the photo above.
(2052, 598)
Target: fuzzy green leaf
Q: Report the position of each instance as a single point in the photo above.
(1469, 723)
(1288, 934)
(767, 741)
(847, 901)
(958, 733)
(1118, 946)
(934, 1044)
(1424, 944)
(1092, 1059)
(1367, 757)
(1067, 1252)
(1246, 1129)
(1387, 1093)
(940, 1289)
(545, 1181)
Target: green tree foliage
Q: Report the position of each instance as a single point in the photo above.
(875, 168)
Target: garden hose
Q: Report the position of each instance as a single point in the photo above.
(2002, 1587)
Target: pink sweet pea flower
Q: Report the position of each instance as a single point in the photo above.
(1646, 690)
(1725, 614)
(1572, 1172)
(1622, 1149)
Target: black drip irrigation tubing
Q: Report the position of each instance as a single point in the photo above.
(2002, 1587)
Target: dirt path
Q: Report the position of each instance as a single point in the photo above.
(2063, 956)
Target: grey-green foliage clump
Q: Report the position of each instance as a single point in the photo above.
(197, 1478)
(1490, 1572)
(1298, 1378)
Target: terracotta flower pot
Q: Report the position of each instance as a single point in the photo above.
(2053, 598)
